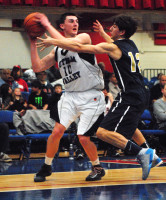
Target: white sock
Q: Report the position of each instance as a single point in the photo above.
(48, 161)
(96, 162)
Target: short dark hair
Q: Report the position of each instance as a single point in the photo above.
(57, 85)
(126, 23)
(36, 84)
(63, 17)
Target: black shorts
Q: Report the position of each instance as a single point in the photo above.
(123, 118)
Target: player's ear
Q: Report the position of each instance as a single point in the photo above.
(122, 33)
(61, 26)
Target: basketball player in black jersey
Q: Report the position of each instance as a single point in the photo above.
(120, 124)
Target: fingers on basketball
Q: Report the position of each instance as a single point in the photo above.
(33, 27)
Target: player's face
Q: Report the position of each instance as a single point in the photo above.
(115, 32)
(70, 26)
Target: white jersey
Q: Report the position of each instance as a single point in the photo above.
(79, 71)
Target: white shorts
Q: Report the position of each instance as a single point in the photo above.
(87, 105)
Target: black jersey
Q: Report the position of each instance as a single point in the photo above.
(127, 72)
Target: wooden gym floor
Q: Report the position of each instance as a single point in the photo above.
(121, 182)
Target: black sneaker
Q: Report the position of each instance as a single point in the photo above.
(43, 172)
(96, 174)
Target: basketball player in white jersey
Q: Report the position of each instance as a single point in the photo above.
(83, 97)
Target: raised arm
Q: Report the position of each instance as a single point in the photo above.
(38, 64)
(99, 28)
(46, 23)
(101, 48)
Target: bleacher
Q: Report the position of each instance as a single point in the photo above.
(7, 117)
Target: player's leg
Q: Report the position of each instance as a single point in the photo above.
(91, 151)
(63, 121)
(144, 155)
(92, 113)
(118, 127)
(52, 148)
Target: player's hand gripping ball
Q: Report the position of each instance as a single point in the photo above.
(32, 27)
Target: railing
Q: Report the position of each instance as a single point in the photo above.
(149, 73)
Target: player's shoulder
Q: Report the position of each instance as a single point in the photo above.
(84, 38)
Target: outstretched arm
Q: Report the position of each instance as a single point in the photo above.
(99, 28)
(101, 48)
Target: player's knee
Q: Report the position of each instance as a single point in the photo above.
(57, 134)
(100, 133)
(84, 140)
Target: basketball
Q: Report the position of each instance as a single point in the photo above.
(33, 28)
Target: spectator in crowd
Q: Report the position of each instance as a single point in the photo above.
(113, 85)
(37, 99)
(6, 95)
(106, 75)
(159, 111)
(18, 81)
(108, 99)
(53, 101)
(6, 77)
(158, 78)
(4, 135)
(155, 92)
(29, 75)
(53, 74)
(18, 103)
(46, 86)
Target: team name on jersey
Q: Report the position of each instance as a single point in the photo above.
(71, 77)
(67, 60)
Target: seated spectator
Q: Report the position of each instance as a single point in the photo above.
(113, 85)
(108, 99)
(4, 136)
(159, 111)
(37, 99)
(18, 103)
(106, 75)
(6, 77)
(46, 86)
(158, 78)
(6, 95)
(18, 81)
(29, 75)
(53, 74)
(53, 101)
(155, 92)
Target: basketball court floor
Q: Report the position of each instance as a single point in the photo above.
(122, 180)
